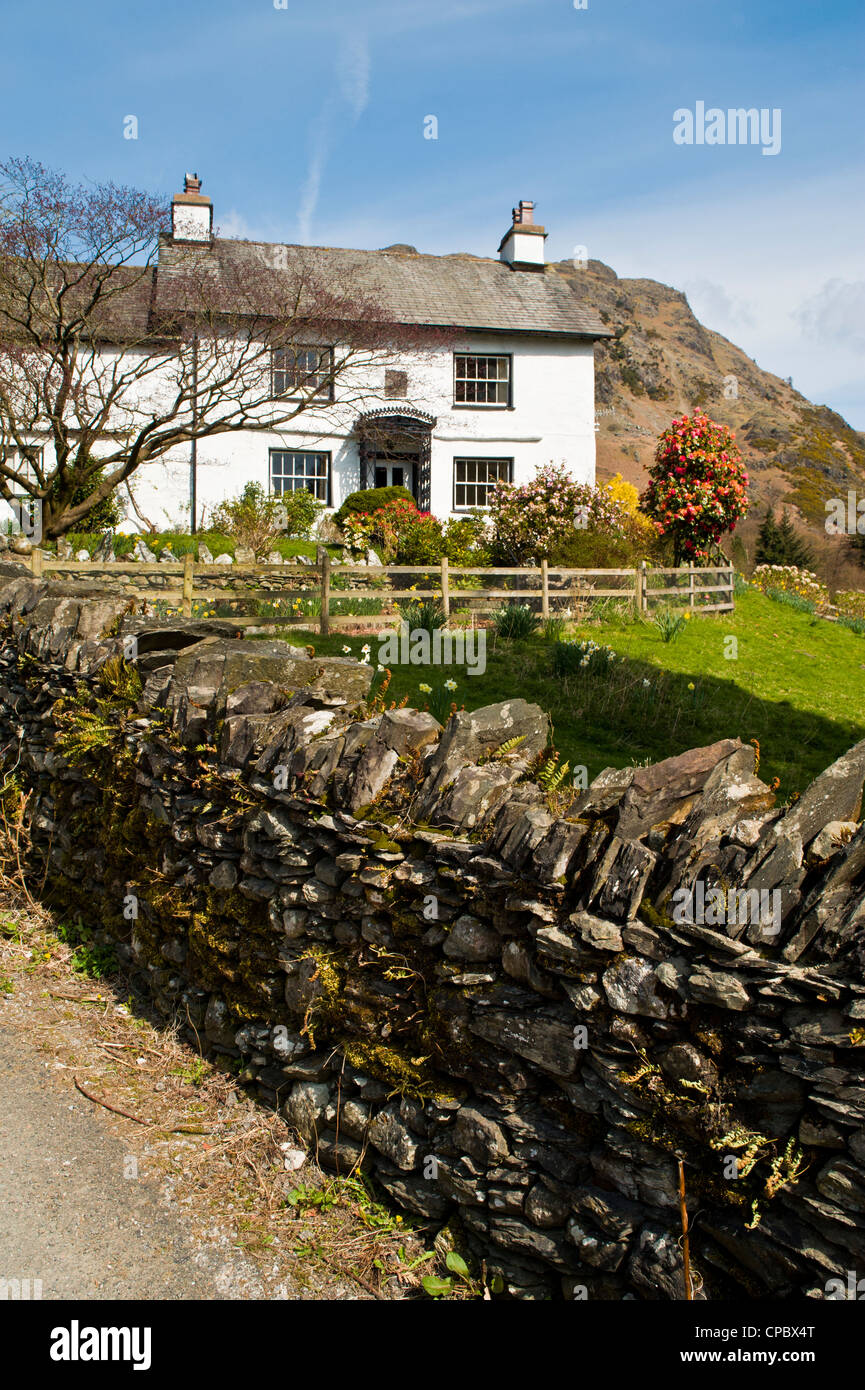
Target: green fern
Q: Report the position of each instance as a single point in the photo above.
(551, 774)
(86, 728)
(508, 747)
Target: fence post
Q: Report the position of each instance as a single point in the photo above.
(638, 590)
(36, 562)
(545, 590)
(446, 589)
(692, 574)
(188, 570)
(324, 566)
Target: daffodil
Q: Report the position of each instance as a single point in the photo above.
(425, 689)
(450, 685)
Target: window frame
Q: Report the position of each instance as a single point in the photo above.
(23, 455)
(463, 458)
(22, 499)
(484, 405)
(315, 453)
(322, 393)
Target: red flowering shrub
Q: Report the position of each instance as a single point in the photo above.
(698, 486)
(398, 532)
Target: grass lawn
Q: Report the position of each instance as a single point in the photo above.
(796, 684)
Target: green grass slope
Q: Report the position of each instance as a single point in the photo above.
(793, 682)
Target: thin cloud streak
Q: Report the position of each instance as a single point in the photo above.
(353, 75)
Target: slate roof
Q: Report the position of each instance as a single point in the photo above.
(123, 316)
(458, 291)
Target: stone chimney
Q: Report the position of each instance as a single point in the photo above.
(191, 212)
(522, 246)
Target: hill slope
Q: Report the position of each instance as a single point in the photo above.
(663, 361)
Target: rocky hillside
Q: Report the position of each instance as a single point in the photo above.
(663, 361)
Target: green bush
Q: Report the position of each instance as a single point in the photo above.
(102, 517)
(588, 550)
(466, 540)
(370, 499)
(256, 519)
(419, 540)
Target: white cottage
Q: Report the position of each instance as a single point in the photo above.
(512, 388)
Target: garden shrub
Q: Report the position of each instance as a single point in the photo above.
(467, 540)
(528, 522)
(697, 486)
(256, 518)
(594, 550)
(370, 499)
(398, 532)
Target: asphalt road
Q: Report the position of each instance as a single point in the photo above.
(70, 1218)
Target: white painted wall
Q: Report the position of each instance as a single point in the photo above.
(551, 420)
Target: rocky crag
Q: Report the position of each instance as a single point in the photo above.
(480, 991)
(663, 361)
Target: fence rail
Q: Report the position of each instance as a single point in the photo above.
(557, 588)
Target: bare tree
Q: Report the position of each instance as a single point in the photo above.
(118, 343)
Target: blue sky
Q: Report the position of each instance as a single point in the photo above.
(307, 123)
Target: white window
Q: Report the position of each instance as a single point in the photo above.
(290, 472)
(484, 381)
(303, 372)
(475, 478)
(26, 510)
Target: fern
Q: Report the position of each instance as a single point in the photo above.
(507, 747)
(551, 774)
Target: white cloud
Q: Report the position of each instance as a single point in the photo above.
(763, 261)
(353, 72)
(836, 313)
(234, 224)
(715, 307)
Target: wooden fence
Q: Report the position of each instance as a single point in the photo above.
(558, 590)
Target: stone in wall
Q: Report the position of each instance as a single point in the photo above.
(488, 998)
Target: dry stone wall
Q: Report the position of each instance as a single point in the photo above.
(483, 995)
